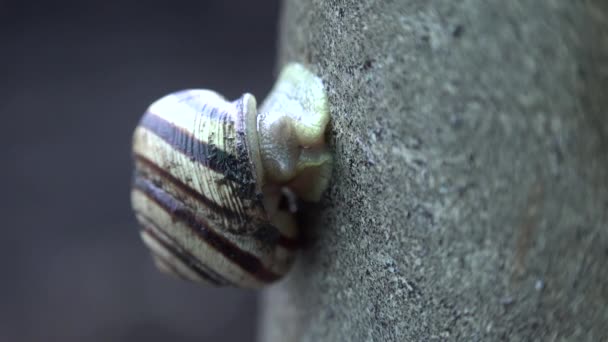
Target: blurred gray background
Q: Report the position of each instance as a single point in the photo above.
(74, 79)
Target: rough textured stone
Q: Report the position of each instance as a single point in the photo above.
(469, 198)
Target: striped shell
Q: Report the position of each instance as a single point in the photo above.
(210, 174)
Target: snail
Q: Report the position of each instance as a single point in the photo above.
(211, 174)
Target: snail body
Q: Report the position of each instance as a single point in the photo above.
(210, 174)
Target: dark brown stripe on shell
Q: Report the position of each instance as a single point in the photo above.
(186, 258)
(288, 243)
(226, 212)
(245, 260)
(284, 241)
(183, 141)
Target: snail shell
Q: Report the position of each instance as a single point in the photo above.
(210, 174)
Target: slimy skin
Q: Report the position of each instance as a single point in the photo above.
(291, 132)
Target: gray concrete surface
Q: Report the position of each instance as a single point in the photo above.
(469, 199)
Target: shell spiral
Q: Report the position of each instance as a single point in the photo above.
(206, 202)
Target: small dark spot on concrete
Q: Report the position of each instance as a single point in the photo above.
(580, 234)
(425, 38)
(419, 162)
(427, 214)
(456, 121)
(581, 72)
(368, 64)
(414, 143)
(559, 155)
(415, 289)
(461, 262)
(308, 56)
(458, 31)
(341, 12)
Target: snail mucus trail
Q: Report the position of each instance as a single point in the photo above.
(210, 173)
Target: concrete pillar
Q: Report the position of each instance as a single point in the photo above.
(469, 199)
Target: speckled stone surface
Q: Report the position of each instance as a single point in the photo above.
(470, 190)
